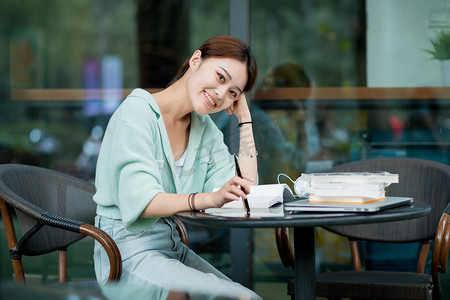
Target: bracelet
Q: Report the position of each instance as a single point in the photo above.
(240, 124)
(191, 202)
(248, 154)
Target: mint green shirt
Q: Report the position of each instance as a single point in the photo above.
(136, 161)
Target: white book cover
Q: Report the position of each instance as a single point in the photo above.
(352, 177)
(348, 185)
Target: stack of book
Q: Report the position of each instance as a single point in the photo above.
(347, 187)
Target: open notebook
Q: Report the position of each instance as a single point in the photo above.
(264, 196)
(306, 205)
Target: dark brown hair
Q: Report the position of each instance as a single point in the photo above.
(225, 46)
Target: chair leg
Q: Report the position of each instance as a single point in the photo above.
(62, 265)
(12, 241)
(422, 263)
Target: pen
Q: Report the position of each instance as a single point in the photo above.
(238, 170)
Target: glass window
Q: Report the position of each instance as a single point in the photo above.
(341, 81)
(338, 81)
(66, 66)
(306, 45)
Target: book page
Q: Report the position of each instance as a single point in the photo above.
(274, 211)
(264, 196)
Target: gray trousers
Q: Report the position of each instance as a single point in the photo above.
(157, 261)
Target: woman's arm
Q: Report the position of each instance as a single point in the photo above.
(166, 204)
(247, 150)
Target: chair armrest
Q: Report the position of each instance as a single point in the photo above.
(115, 259)
(284, 247)
(440, 253)
(441, 246)
(182, 230)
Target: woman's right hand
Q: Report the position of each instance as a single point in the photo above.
(231, 191)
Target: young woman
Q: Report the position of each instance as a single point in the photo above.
(163, 154)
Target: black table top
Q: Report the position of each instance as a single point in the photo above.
(310, 219)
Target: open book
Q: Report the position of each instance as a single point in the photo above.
(264, 196)
(273, 211)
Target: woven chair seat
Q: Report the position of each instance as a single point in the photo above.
(367, 284)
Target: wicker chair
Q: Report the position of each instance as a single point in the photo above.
(54, 210)
(425, 181)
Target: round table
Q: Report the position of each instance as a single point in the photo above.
(304, 237)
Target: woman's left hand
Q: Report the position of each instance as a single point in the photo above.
(240, 109)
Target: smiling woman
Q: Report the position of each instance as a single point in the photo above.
(162, 154)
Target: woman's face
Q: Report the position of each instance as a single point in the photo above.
(215, 83)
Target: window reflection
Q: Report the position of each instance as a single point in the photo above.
(368, 68)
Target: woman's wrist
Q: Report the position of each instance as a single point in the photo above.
(244, 123)
(202, 201)
(191, 201)
(244, 115)
(247, 118)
